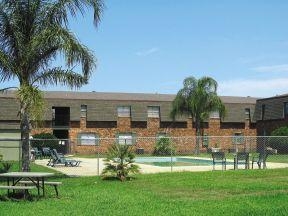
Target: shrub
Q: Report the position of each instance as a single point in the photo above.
(163, 146)
(279, 140)
(45, 140)
(5, 167)
(119, 162)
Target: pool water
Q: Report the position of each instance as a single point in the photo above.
(174, 161)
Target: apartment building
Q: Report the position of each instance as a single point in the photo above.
(84, 116)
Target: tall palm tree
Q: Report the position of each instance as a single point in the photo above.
(197, 99)
(32, 34)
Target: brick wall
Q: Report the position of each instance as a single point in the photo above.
(184, 145)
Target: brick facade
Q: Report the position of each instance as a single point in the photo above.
(185, 145)
(65, 118)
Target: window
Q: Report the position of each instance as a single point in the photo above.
(124, 111)
(214, 115)
(88, 139)
(263, 112)
(153, 111)
(238, 138)
(247, 113)
(125, 139)
(83, 111)
(286, 110)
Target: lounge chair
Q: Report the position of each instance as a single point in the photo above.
(36, 153)
(219, 157)
(46, 152)
(241, 158)
(59, 159)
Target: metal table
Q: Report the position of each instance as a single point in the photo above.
(37, 178)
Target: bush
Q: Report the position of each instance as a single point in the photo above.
(5, 166)
(45, 140)
(279, 140)
(119, 162)
(163, 147)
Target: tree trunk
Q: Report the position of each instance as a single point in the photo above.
(198, 127)
(24, 127)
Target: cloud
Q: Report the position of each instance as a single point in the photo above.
(272, 68)
(253, 88)
(147, 52)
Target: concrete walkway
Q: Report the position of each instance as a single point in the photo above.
(94, 167)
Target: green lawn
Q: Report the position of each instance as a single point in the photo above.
(241, 192)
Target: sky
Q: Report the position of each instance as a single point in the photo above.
(151, 46)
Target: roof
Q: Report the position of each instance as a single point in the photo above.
(112, 96)
(274, 97)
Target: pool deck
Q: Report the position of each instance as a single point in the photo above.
(89, 167)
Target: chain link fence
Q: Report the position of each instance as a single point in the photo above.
(153, 154)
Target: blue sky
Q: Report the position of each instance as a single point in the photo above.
(153, 45)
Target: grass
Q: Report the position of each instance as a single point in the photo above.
(241, 192)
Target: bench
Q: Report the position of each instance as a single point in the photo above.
(55, 184)
(17, 187)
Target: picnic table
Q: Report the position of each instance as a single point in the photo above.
(37, 179)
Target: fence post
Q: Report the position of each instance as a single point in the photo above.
(98, 160)
(171, 154)
(20, 154)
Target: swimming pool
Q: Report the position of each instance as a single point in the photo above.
(174, 161)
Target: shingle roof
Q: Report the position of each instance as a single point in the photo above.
(134, 96)
(113, 96)
(274, 97)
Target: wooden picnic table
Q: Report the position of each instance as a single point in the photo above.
(37, 179)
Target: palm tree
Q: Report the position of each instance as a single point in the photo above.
(120, 162)
(32, 34)
(197, 99)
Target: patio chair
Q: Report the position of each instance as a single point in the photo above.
(219, 157)
(36, 153)
(260, 159)
(262, 156)
(46, 152)
(241, 158)
(59, 159)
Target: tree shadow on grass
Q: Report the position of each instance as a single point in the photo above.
(114, 178)
(17, 197)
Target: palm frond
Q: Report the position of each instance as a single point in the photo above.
(57, 76)
(6, 66)
(57, 12)
(8, 38)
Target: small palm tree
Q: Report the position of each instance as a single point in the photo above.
(197, 99)
(119, 162)
(32, 35)
(164, 146)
